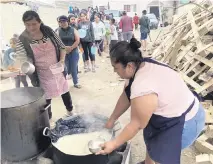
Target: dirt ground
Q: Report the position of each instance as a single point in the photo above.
(99, 93)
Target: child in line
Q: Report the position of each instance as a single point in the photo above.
(113, 34)
(8, 62)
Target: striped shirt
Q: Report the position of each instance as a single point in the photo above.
(21, 54)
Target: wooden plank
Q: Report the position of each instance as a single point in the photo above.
(200, 71)
(192, 67)
(205, 86)
(174, 55)
(204, 60)
(189, 81)
(205, 47)
(195, 31)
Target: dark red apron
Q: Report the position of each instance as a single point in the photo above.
(162, 135)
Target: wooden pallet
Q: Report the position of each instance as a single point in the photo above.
(186, 47)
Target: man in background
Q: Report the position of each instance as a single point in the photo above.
(126, 25)
(144, 29)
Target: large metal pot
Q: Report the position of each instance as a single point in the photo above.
(23, 120)
(60, 157)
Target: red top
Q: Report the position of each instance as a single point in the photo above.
(136, 19)
(126, 24)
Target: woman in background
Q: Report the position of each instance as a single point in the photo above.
(87, 42)
(99, 32)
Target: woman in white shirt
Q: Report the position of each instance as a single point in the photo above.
(99, 32)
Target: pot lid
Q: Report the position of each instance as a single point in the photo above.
(20, 96)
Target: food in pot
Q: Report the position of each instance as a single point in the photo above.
(77, 144)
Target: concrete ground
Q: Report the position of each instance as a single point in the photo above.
(99, 93)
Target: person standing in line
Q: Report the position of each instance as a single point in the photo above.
(99, 32)
(8, 62)
(72, 21)
(144, 29)
(136, 21)
(71, 40)
(40, 45)
(87, 42)
(113, 34)
(126, 25)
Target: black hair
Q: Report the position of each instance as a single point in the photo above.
(124, 52)
(124, 12)
(98, 15)
(144, 12)
(83, 12)
(113, 21)
(30, 15)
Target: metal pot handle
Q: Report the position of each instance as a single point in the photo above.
(47, 107)
(43, 110)
(46, 132)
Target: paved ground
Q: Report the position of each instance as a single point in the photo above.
(99, 94)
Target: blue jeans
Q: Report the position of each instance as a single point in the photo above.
(193, 128)
(72, 65)
(83, 56)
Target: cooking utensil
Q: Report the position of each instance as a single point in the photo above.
(60, 157)
(23, 119)
(27, 68)
(94, 145)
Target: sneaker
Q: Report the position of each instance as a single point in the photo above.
(93, 70)
(69, 77)
(87, 70)
(77, 86)
(69, 113)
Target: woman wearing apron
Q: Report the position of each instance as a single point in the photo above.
(40, 45)
(161, 104)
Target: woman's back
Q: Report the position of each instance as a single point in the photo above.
(174, 97)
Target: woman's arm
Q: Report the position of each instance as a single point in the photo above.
(62, 47)
(77, 40)
(142, 109)
(121, 107)
(92, 32)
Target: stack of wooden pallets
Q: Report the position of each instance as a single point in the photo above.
(188, 47)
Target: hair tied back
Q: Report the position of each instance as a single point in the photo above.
(134, 44)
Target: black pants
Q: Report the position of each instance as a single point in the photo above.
(136, 26)
(112, 44)
(87, 51)
(19, 79)
(100, 46)
(67, 102)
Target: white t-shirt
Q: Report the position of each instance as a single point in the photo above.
(114, 35)
(99, 30)
(174, 97)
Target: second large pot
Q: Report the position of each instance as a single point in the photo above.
(60, 157)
